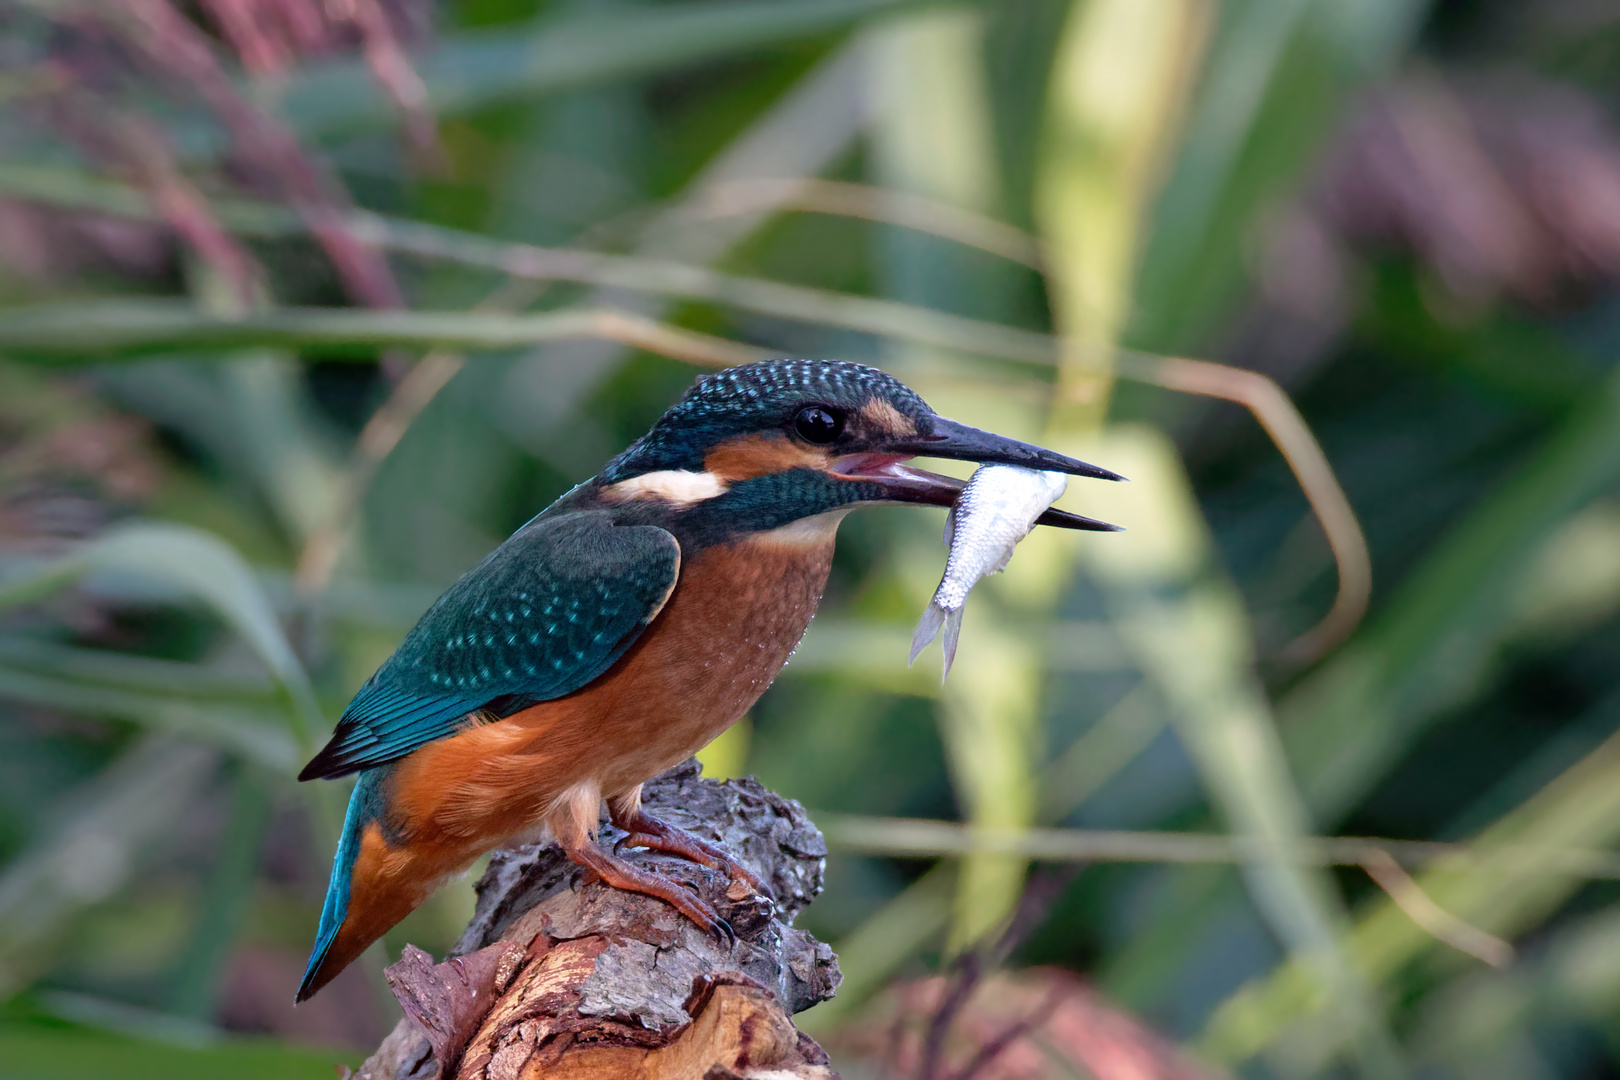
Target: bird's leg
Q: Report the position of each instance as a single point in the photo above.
(614, 871)
(649, 832)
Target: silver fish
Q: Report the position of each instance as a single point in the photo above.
(995, 511)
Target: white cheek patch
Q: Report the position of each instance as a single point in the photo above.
(678, 487)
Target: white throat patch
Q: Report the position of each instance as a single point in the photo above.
(813, 531)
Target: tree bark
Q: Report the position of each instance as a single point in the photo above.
(556, 977)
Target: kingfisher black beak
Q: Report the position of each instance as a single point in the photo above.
(958, 442)
(948, 439)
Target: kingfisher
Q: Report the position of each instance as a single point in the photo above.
(618, 632)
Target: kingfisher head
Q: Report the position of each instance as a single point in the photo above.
(763, 446)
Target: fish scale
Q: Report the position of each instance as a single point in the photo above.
(995, 511)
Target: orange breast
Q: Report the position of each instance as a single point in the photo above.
(735, 615)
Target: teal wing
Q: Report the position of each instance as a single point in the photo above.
(545, 614)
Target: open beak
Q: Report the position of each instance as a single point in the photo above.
(962, 443)
(948, 439)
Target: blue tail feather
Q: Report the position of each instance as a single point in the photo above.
(365, 806)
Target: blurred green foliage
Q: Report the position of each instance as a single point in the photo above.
(232, 474)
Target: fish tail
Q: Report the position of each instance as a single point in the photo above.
(953, 628)
(927, 629)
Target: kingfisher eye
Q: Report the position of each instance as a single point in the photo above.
(817, 425)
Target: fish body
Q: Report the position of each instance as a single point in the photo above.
(997, 509)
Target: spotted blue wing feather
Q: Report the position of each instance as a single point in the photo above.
(544, 615)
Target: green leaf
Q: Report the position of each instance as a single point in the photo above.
(227, 899)
(1432, 647)
(76, 333)
(1509, 881)
(1186, 625)
(201, 565)
(123, 671)
(122, 329)
(1277, 77)
(257, 734)
(867, 650)
(1436, 640)
(475, 69)
(64, 1053)
(90, 850)
(1118, 88)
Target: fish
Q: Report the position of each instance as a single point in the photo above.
(995, 511)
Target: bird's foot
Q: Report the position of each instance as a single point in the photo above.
(649, 832)
(614, 871)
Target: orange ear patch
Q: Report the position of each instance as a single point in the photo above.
(879, 417)
(761, 455)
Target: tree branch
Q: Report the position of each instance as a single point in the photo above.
(556, 977)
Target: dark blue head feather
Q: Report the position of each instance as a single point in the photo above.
(757, 397)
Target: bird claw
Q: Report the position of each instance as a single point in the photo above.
(634, 840)
(684, 897)
(741, 874)
(644, 830)
(706, 919)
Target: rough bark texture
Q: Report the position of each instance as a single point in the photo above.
(559, 978)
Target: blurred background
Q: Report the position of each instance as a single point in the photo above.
(306, 304)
